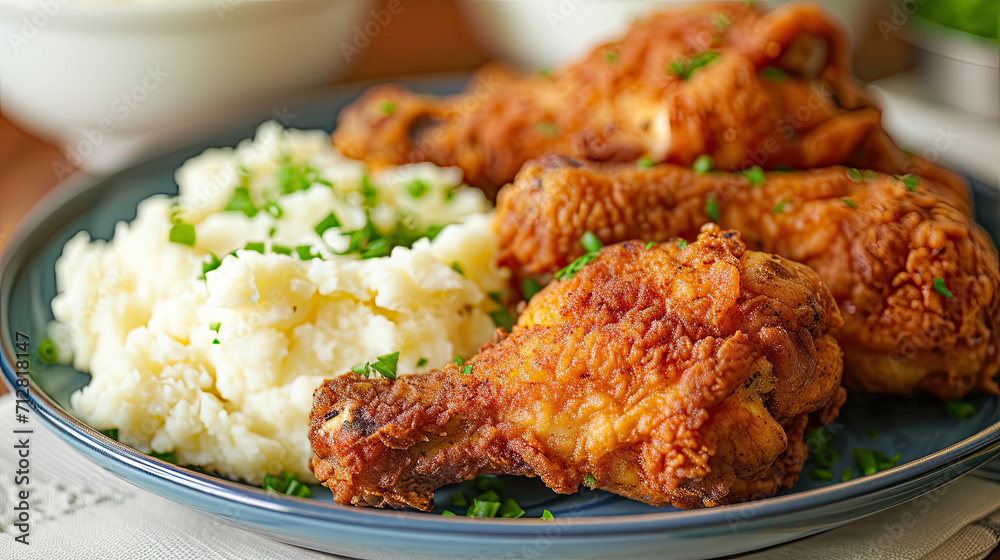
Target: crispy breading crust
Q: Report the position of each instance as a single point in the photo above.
(878, 245)
(672, 376)
(623, 102)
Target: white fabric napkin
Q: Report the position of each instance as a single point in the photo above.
(80, 511)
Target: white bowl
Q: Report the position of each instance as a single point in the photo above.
(90, 76)
(546, 34)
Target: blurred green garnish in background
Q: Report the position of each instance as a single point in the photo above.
(978, 17)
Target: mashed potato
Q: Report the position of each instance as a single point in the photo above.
(220, 366)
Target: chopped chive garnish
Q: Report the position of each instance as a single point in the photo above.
(484, 483)
(712, 208)
(362, 369)
(168, 457)
(386, 365)
(821, 475)
(286, 484)
(588, 479)
(910, 182)
(449, 194)
(510, 509)
(684, 68)
(272, 231)
(387, 107)
(447, 513)
(274, 210)
(547, 515)
(849, 202)
(645, 162)
(869, 174)
(650, 244)
(780, 206)
(182, 234)
(296, 488)
(872, 434)
(854, 175)
(467, 370)
(215, 326)
(774, 74)
(422, 362)
(457, 268)
(681, 244)
(458, 499)
(241, 202)
(865, 460)
(847, 474)
(418, 188)
(572, 268)
(213, 263)
(281, 250)
(376, 249)
(611, 57)
(254, 246)
(547, 128)
(47, 352)
(481, 508)
(959, 409)
(216, 341)
(942, 289)
(545, 72)
(703, 164)
(754, 175)
(501, 317)
(305, 252)
(590, 242)
(530, 287)
(826, 456)
(459, 361)
(112, 433)
(328, 222)
(489, 496)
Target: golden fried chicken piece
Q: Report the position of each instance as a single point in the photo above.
(668, 375)
(879, 242)
(746, 87)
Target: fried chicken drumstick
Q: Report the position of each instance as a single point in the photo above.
(670, 375)
(746, 87)
(916, 279)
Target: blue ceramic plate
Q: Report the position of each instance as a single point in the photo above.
(935, 449)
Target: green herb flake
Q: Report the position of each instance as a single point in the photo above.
(821, 475)
(241, 202)
(274, 210)
(530, 287)
(684, 68)
(484, 483)
(941, 288)
(780, 206)
(457, 268)
(546, 514)
(482, 508)
(296, 488)
(869, 174)
(720, 22)
(459, 361)
(254, 246)
(458, 499)
(545, 72)
(467, 370)
(281, 250)
(591, 242)
(47, 352)
(447, 513)
(272, 231)
(650, 244)
(418, 188)
(387, 107)
(712, 208)
(182, 234)
(572, 268)
(959, 409)
(377, 249)
(489, 496)
(847, 474)
(645, 162)
(213, 263)
(216, 341)
(305, 252)
(422, 362)
(168, 457)
(215, 326)
(386, 365)
(328, 222)
(502, 318)
(611, 57)
(112, 433)
(547, 128)
(703, 164)
(865, 460)
(774, 74)
(910, 182)
(369, 193)
(589, 480)
(510, 509)
(681, 244)
(849, 202)
(754, 175)
(854, 175)
(825, 456)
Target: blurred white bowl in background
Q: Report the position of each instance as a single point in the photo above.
(93, 77)
(546, 34)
